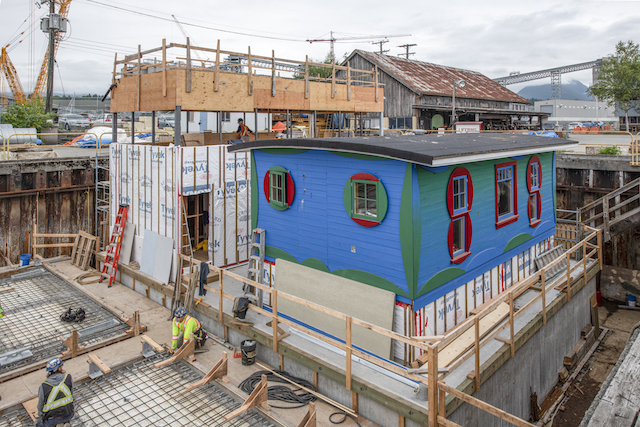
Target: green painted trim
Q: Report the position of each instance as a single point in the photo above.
(282, 150)
(440, 279)
(409, 233)
(371, 280)
(358, 155)
(517, 241)
(316, 264)
(273, 252)
(356, 275)
(382, 201)
(255, 194)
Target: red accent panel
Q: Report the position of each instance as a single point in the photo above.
(515, 194)
(468, 231)
(365, 177)
(460, 258)
(534, 159)
(291, 190)
(365, 222)
(265, 186)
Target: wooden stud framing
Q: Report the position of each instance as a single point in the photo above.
(333, 79)
(257, 397)
(432, 354)
(188, 79)
(250, 76)
(164, 67)
(543, 286)
(273, 73)
(139, 80)
(72, 345)
(375, 81)
(219, 370)
(274, 322)
(306, 77)
(216, 75)
(442, 402)
(115, 61)
(348, 344)
(401, 420)
(477, 351)
(314, 378)
(354, 401)
(348, 81)
(511, 312)
(220, 300)
(568, 257)
(309, 419)
(134, 323)
(184, 352)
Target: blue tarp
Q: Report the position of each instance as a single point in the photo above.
(545, 134)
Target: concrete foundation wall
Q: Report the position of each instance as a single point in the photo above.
(535, 367)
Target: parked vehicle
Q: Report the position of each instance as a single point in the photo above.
(73, 121)
(107, 118)
(166, 121)
(573, 125)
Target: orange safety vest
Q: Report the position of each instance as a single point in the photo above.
(244, 130)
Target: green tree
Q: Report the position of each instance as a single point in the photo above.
(619, 81)
(317, 70)
(28, 115)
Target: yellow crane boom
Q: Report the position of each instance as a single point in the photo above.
(42, 77)
(12, 77)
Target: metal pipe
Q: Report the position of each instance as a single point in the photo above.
(176, 132)
(153, 128)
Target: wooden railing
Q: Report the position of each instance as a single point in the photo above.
(472, 334)
(612, 209)
(63, 242)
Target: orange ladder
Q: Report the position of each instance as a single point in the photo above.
(110, 266)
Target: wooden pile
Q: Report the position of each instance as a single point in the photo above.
(587, 339)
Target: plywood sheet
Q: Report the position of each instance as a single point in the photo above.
(346, 296)
(127, 243)
(233, 93)
(157, 254)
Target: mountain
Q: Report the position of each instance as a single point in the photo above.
(572, 90)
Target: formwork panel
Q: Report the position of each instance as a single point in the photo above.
(32, 321)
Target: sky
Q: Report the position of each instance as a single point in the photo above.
(492, 37)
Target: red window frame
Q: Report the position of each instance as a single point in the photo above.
(536, 191)
(468, 230)
(514, 217)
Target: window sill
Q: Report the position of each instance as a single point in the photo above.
(365, 222)
(507, 221)
(535, 223)
(460, 257)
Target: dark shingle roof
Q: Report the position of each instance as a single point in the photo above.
(430, 149)
(432, 79)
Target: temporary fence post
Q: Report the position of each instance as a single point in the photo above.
(477, 351)
(568, 257)
(274, 319)
(513, 346)
(543, 286)
(432, 354)
(220, 297)
(348, 350)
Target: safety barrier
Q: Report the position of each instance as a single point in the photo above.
(469, 336)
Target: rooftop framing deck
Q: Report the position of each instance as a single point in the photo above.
(252, 83)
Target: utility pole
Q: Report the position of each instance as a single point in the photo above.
(407, 53)
(381, 42)
(52, 44)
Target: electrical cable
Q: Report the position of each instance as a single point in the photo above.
(279, 392)
(344, 418)
(82, 279)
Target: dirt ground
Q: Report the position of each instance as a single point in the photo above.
(590, 379)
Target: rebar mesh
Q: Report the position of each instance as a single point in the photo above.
(32, 316)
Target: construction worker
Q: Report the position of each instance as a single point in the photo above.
(55, 397)
(243, 130)
(186, 328)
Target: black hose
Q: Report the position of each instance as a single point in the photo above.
(344, 418)
(297, 397)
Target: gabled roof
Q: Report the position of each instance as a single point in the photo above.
(425, 78)
(428, 150)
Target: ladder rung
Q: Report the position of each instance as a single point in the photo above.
(254, 270)
(107, 264)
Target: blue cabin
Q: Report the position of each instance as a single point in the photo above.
(444, 222)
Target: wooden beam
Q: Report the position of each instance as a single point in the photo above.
(134, 323)
(164, 67)
(348, 81)
(477, 352)
(375, 80)
(306, 77)
(187, 350)
(216, 75)
(31, 406)
(333, 79)
(348, 358)
(543, 289)
(274, 322)
(139, 79)
(219, 370)
(115, 61)
(250, 75)
(99, 363)
(446, 423)
(10, 288)
(257, 397)
(188, 79)
(511, 326)
(354, 401)
(273, 73)
(72, 344)
(156, 347)
(484, 406)
(433, 386)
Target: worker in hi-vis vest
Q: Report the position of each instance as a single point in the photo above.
(55, 397)
(243, 130)
(186, 328)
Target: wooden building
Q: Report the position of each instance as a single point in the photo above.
(418, 95)
(442, 223)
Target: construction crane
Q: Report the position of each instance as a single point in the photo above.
(186, 36)
(11, 74)
(332, 39)
(42, 77)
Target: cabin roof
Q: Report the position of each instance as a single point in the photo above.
(429, 150)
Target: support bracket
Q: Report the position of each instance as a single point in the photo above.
(134, 324)
(257, 397)
(309, 419)
(72, 344)
(97, 367)
(149, 346)
(183, 352)
(219, 370)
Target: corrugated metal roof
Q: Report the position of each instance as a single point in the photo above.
(433, 79)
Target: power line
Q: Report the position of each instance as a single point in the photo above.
(196, 25)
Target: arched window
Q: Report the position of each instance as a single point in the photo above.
(459, 199)
(279, 188)
(365, 199)
(534, 183)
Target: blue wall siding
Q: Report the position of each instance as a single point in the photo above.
(488, 243)
(317, 224)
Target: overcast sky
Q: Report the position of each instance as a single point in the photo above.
(493, 37)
